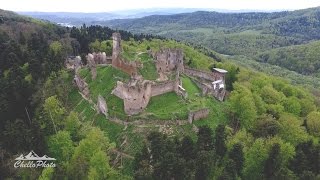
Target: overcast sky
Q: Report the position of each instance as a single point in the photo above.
(114, 5)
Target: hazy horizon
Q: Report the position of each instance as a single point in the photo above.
(163, 9)
(98, 6)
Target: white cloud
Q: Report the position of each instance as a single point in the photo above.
(108, 5)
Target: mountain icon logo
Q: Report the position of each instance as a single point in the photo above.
(32, 156)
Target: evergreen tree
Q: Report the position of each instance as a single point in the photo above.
(187, 148)
(229, 172)
(220, 138)
(272, 164)
(142, 164)
(306, 162)
(204, 165)
(205, 139)
(236, 154)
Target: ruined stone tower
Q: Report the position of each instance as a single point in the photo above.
(116, 49)
(125, 66)
(135, 94)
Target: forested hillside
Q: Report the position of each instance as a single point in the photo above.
(31, 51)
(235, 33)
(304, 59)
(299, 24)
(266, 128)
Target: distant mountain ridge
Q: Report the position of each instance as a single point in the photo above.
(246, 34)
(256, 20)
(78, 18)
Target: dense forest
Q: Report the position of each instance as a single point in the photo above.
(301, 24)
(303, 59)
(266, 129)
(235, 34)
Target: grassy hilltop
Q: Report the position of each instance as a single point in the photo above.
(166, 107)
(267, 128)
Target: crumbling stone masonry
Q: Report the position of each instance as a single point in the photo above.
(199, 114)
(102, 106)
(164, 87)
(92, 65)
(199, 74)
(73, 63)
(219, 89)
(128, 67)
(101, 58)
(168, 60)
(137, 93)
(82, 85)
(211, 83)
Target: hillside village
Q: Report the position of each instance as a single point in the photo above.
(136, 93)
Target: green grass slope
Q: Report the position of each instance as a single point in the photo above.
(161, 109)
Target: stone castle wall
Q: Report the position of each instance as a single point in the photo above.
(73, 63)
(137, 93)
(102, 106)
(199, 114)
(165, 87)
(168, 60)
(200, 74)
(205, 80)
(136, 97)
(82, 85)
(127, 67)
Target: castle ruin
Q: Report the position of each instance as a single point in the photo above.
(102, 106)
(210, 83)
(137, 92)
(82, 85)
(168, 60)
(197, 115)
(125, 66)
